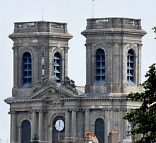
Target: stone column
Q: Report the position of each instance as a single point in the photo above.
(120, 127)
(124, 67)
(107, 125)
(125, 128)
(19, 133)
(40, 132)
(87, 121)
(16, 67)
(33, 131)
(51, 73)
(88, 64)
(73, 127)
(67, 124)
(13, 127)
(66, 61)
(93, 58)
(138, 72)
(80, 124)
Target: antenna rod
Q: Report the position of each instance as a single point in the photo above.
(42, 14)
(93, 8)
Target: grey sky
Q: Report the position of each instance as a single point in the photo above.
(75, 13)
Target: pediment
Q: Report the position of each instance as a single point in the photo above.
(51, 92)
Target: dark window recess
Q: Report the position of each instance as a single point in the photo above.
(43, 55)
(26, 132)
(42, 66)
(130, 67)
(100, 65)
(26, 70)
(99, 130)
(57, 67)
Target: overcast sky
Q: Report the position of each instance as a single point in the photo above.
(75, 13)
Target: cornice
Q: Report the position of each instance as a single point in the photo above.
(13, 101)
(96, 98)
(40, 34)
(113, 31)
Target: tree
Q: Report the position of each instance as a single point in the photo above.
(154, 29)
(143, 119)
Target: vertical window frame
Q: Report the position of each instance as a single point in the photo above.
(57, 66)
(26, 70)
(100, 130)
(25, 131)
(100, 66)
(131, 69)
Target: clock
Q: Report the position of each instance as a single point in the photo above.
(59, 125)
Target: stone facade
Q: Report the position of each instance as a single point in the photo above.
(115, 36)
(52, 109)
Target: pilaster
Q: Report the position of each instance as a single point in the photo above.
(40, 132)
(13, 127)
(73, 127)
(33, 131)
(67, 134)
(87, 121)
(65, 61)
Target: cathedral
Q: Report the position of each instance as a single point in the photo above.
(46, 103)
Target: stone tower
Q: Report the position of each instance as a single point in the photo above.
(40, 51)
(113, 55)
(40, 54)
(45, 103)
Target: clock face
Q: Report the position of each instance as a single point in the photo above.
(59, 125)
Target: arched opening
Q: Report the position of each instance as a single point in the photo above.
(100, 66)
(58, 131)
(57, 66)
(26, 70)
(130, 67)
(25, 132)
(99, 130)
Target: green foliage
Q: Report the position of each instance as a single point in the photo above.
(143, 119)
(154, 29)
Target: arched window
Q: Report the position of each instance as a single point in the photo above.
(100, 65)
(26, 70)
(57, 66)
(58, 132)
(25, 132)
(130, 67)
(99, 130)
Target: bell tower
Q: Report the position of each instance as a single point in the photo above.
(113, 55)
(40, 54)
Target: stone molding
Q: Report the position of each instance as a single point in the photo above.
(41, 34)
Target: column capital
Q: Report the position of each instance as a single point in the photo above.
(87, 110)
(38, 110)
(66, 48)
(66, 110)
(41, 111)
(33, 111)
(74, 110)
(12, 112)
